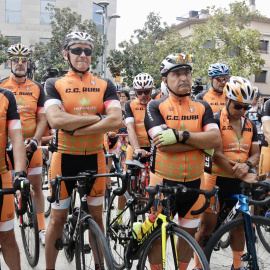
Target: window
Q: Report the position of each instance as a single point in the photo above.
(45, 41)
(262, 77)
(13, 11)
(264, 46)
(13, 40)
(98, 18)
(44, 13)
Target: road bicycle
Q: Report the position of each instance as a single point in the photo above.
(81, 227)
(123, 243)
(253, 256)
(26, 215)
(123, 149)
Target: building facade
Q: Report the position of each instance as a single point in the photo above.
(28, 21)
(263, 80)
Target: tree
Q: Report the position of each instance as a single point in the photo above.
(133, 56)
(225, 37)
(4, 43)
(63, 22)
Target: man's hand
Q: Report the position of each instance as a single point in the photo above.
(166, 137)
(250, 178)
(31, 145)
(239, 169)
(139, 150)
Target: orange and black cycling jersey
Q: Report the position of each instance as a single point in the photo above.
(80, 96)
(187, 114)
(216, 101)
(30, 100)
(234, 148)
(9, 119)
(135, 112)
(156, 95)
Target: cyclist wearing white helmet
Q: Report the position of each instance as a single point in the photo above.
(178, 127)
(75, 105)
(218, 74)
(232, 160)
(30, 98)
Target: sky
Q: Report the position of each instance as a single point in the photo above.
(134, 12)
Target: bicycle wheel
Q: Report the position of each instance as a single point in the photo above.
(45, 188)
(263, 211)
(117, 228)
(29, 232)
(122, 159)
(85, 251)
(223, 258)
(176, 237)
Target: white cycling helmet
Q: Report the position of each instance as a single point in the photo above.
(18, 49)
(143, 81)
(78, 37)
(175, 61)
(239, 89)
(164, 90)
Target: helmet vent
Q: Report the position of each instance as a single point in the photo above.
(244, 95)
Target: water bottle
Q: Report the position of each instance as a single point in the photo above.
(136, 228)
(146, 225)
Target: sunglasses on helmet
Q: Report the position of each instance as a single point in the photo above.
(18, 59)
(78, 51)
(240, 107)
(146, 92)
(222, 79)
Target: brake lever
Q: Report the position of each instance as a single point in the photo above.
(157, 200)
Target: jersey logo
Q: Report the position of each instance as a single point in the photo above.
(93, 82)
(27, 88)
(171, 109)
(184, 117)
(139, 109)
(70, 81)
(191, 109)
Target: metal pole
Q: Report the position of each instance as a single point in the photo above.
(106, 23)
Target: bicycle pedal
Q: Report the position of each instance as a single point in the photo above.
(59, 244)
(87, 249)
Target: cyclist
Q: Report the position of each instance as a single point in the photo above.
(178, 126)
(132, 94)
(30, 100)
(232, 160)
(10, 127)
(118, 89)
(74, 106)
(218, 74)
(164, 90)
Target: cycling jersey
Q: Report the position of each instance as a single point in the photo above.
(187, 114)
(9, 119)
(80, 96)
(216, 101)
(30, 100)
(135, 113)
(235, 149)
(156, 95)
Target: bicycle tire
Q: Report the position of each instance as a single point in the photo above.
(222, 259)
(46, 191)
(30, 234)
(155, 238)
(262, 211)
(84, 252)
(116, 248)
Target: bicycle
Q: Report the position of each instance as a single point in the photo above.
(251, 258)
(123, 149)
(81, 226)
(124, 246)
(26, 214)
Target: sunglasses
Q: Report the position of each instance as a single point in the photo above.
(79, 51)
(222, 79)
(240, 107)
(146, 92)
(18, 59)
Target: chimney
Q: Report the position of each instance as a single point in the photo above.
(204, 14)
(193, 14)
(252, 6)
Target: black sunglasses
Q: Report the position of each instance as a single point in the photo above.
(240, 107)
(146, 92)
(222, 79)
(78, 51)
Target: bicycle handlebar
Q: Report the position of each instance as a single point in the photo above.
(152, 191)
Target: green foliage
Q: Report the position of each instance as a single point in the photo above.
(4, 43)
(225, 37)
(63, 22)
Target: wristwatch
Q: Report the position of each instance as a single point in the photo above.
(185, 135)
(21, 174)
(250, 165)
